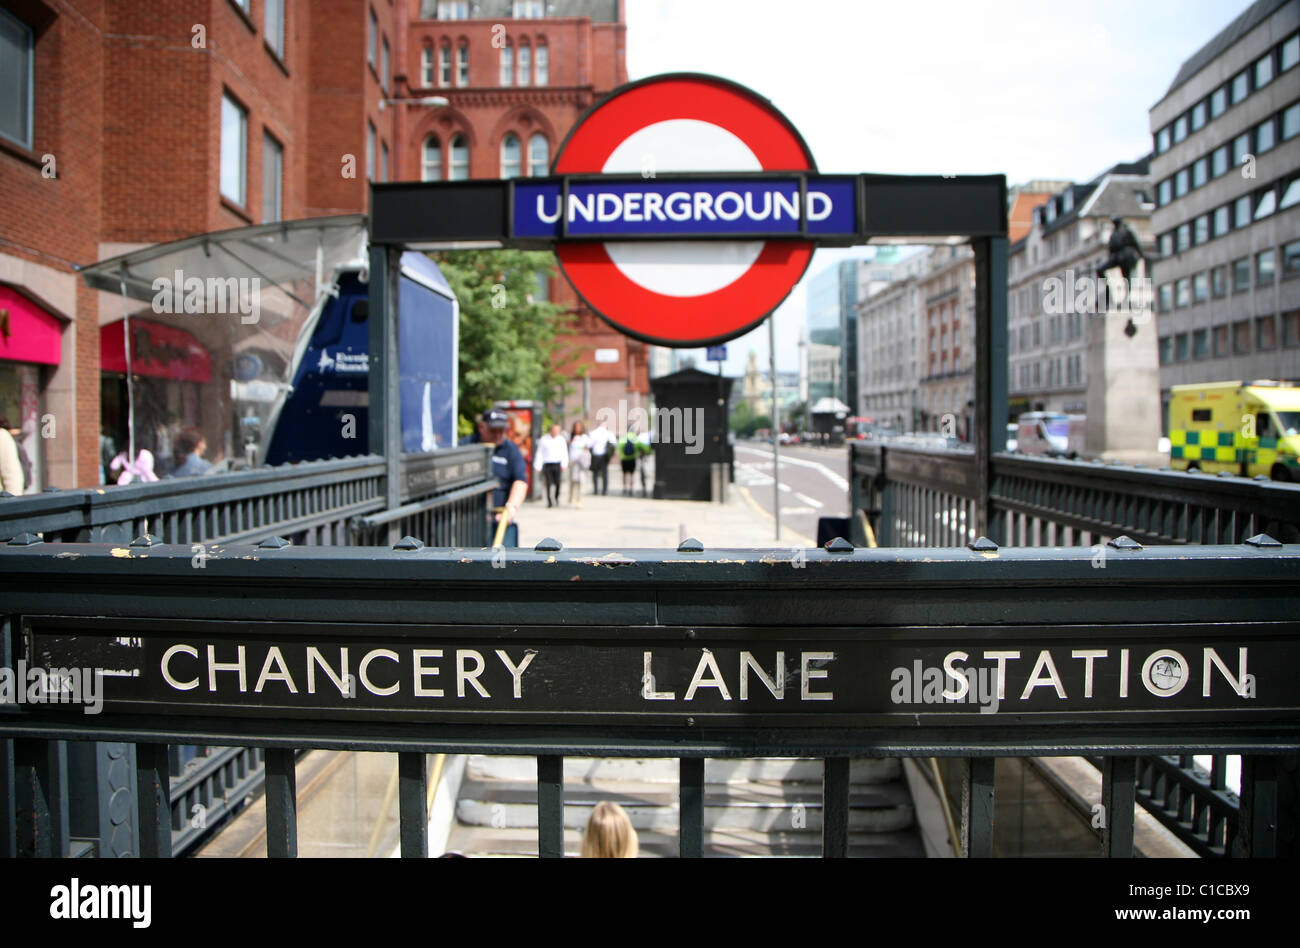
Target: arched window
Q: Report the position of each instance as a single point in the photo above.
(543, 65)
(459, 159)
(511, 157)
(444, 65)
(507, 65)
(462, 64)
(525, 65)
(432, 163)
(426, 67)
(539, 156)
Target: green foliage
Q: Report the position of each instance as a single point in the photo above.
(508, 338)
(744, 422)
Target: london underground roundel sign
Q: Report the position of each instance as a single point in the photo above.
(686, 293)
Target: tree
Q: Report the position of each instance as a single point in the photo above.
(508, 337)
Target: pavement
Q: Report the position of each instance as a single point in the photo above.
(614, 522)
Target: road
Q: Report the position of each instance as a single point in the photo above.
(813, 484)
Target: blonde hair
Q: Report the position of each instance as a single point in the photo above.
(609, 834)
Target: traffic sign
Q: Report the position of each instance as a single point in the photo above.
(717, 354)
(688, 292)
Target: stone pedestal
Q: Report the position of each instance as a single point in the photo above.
(1124, 376)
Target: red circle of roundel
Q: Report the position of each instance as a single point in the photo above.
(684, 320)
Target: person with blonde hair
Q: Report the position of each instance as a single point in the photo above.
(609, 834)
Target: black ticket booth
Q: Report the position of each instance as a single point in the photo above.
(690, 432)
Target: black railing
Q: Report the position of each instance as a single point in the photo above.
(443, 502)
(914, 497)
(440, 642)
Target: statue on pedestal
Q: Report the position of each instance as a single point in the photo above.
(1125, 252)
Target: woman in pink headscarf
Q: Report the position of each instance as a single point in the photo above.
(141, 468)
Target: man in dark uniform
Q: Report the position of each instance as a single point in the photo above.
(511, 473)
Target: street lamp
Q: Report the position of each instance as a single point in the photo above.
(438, 100)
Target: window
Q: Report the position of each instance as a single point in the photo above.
(525, 64)
(1241, 211)
(1201, 229)
(528, 9)
(1290, 122)
(1291, 259)
(507, 65)
(1222, 220)
(1184, 237)
(1241, 336)
(1166, 245)
(1263, 70)
(383, 161)
(539, 155)
(1291, 195)
(1180, 183)
(1183, 292)
(1165, 191)
(1166, 350)
(1291, 328)
(1166, 297)
(1218, 101)
(1219, 161)
(1220, 341)
(511, 156)
(383, 66)
(1240, 87)
(1200, 172)
(1219, 281)
(17, 79)
(1162, 140)
(1180, 128)
(431, 167)
(462, 65)
(272, 179)
(372, 39)
(274, 26)
(234, 150)
(1201, 344)
(444, 66)
(1067, 202)
(1200, 287)
(1264, 139)
(1240, 148)
(543, 66)
(1198, 116)
(426, 66)
(1181, 347)
(1264, 265)
(1266, 204)
(370, 152)
(1290, 53)
(453, 9)
(1240, 275)
(459, 159)
(1265, 334)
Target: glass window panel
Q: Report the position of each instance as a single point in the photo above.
(1265, 333)
(426, 66)
(1166, 350)
(1162, 140)
(1202, 229)
(1166, 192)
(1291, 195)
(383, 67)
(16, 55)
(275, 26)
(1220, 341)
(1264, 136)
(1240, 87)
(1221, 221)
(1166, 297)
(1181, 180)
(1263, 70)
(543, 66)
(1200, 344)
(1267, 204)
(1241, 211)
(1240, 275)
(1264, 262)
(1200, 287)
(1180, 128)
(1198, 116)
(511, 156)
(444, 65)
(1290, 54)
(1241, 336)
(272, 178)
(462, 65)
(539, 155)
(1291, 122)
(459, 159)
(1181, 349)
(1218, 281)
(431, 169)
(525, 65)
(1291, 258)
(1218, 101)
(1200, 172)
(372, 39)
(507, 66)
(1291, 328)
(1166, 244)
(1184, 237)
(383, 161)
(370, 152)
(1219, 161)
(234, 131)
(1240, 148)
(1183, 292)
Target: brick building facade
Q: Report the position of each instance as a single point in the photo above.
(143, 121)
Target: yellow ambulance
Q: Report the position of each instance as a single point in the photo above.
(1247, 428)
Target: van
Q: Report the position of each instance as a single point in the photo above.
(1247, 428)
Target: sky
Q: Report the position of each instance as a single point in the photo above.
(1032, 89)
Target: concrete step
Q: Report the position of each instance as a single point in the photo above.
(485, 841)
(665, 770)
(764, 806)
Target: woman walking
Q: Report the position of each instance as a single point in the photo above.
(579, 461)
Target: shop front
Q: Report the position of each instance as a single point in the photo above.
(31, 340)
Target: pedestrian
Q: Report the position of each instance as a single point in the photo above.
(629, 448)
(602, 444)
(11, 467)
(610, 834)
(511, 473)
(579, 460)
(190, 447)
(552, 459)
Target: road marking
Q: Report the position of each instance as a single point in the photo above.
(810, 501)
(797, 510)
(836, 479)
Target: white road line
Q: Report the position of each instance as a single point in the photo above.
(836, 479)
(797, 510)
(810, 501)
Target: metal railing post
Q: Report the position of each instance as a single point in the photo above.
(550, 806)
(412, 803)
(977, 807)
(690, 779)
(153, 800)
(1118, 795)
(281, 803)
(835, 807)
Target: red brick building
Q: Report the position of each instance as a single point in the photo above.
(130, 122)
(517, 75)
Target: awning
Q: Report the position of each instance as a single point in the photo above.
(28, 332)
(157, 350)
